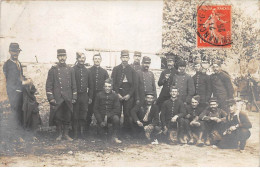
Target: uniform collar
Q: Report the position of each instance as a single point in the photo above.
(62, 65)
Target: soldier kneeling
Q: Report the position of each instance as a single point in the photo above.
(146, 117)
(237, 129)
(107, 110)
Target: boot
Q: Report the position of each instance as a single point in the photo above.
(191, 141)
(59, 130)
(199, 143)
(66, 133)
(116, 140)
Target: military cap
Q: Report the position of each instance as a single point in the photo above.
(196, 97)
(61, 52)
(231, 102)
(213, 99)
(14, 47)
(146, 59)
(79, 54)
(96, 54)
(149, 93)
(137, 53)
(124, 53)
(173, 87)
(181, 63)
(109, 81)
(170, 56)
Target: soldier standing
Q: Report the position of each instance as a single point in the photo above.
(165, 80)
(14, 77)
(202, 84)
(136, 64)
(146, 80)
(61, 90)
(107, 110)
(85, 94)
(125, 82)
(98, 76)
(221, 86)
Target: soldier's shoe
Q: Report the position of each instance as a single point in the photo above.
(59, 137)
(182, 141)
(207, 142)
(116, 140)
(148, 135)
(172, 137)
(191, 141)
(199, 143)
(68, 138)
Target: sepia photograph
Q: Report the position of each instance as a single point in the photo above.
(129, 83)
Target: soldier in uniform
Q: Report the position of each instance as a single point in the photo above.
(202, 84)
(214, 119)
(98, 76)
(85, 94)
(172, 116)
(61, 90)
(136, 64)
(237, 129)
(184, 83)
(146, 116)
(194, 126)
(221, 86)
(107, 110)
(146, 80)
(165, 80)
(14, 78)
(125, 82)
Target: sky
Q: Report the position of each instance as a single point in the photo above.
(41, 27)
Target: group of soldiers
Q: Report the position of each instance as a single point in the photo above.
(197, 109)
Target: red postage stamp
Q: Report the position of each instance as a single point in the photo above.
(214, 26)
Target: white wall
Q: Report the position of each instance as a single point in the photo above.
(40, 27)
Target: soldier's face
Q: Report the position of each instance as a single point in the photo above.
(14, 54)
(174, 93)
(149, 99)
(232, 108)
(82, 59)
(194, 103)
(125, 59)
(62, 59)
(216, 68)
(170, 64)
(197, 67)
(137, 58)
(213, 105)
(108, 87)
(181, 69)
(146, 65)
(97, 60)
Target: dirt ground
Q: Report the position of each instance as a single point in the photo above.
(23, 150)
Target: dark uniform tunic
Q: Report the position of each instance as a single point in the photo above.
(202, 87)
(185, 86)
(240, 135)
(107, 104)
(165, 92)
(222, 88)
(146, 83)
(14, 75)
(171, 108)
(61, 86)
(98, 76)
(125, 83)
(85, 91)
(136, 66)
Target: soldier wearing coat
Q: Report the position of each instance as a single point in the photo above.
(13, 72)
(202, 84)
(85, 94)
(137, 58)
(165, 80)
(146, 81)
(107, 110)
(61, 90)
(222, 87)
(146, 116)
(98, 76)
(237, 129)
(125, 83)
(184, 83)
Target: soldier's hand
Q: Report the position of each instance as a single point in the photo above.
(165, 130)
(206, 118)
(127, 97)
(232, 128)
(140, 124)
(218, 120)
(73, 101)
(89, 101)
(120, 97)
(174, 119)
(188, 116)
(53, 102)
(103, 124)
